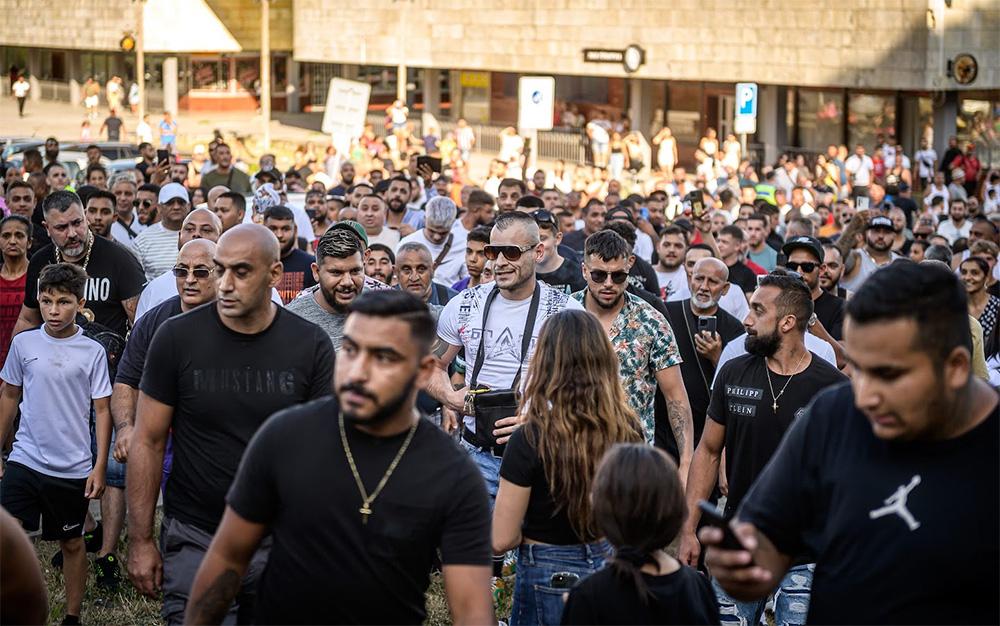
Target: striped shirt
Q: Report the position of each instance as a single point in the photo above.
(157, 248)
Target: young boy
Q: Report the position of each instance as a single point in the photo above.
(50, 472)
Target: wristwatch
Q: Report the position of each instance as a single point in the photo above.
(812, 320)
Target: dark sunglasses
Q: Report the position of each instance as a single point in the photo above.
(511, 253)
(600, 276)
(199, 272)
(145, 203)
(807, 267)
(543, 216)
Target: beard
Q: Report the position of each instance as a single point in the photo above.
(703, 305)
(331, 299)
(612, 304)
(396, 205)
(880, 247)
(384, 411)
(763, 345)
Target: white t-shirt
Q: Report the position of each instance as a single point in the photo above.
(452, 268)
(673, 285)
(925, 162)
(737, 347)
(59, 378)
(948, 230)
(144, 132)
(120, 234)
(157, 248)
(164, 287)
(861, 170)
(388, 237)
(735, 303)
(643, 247)
(21, 88)
(935, 192)
(461, 323)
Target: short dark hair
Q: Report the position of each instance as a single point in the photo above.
(19, 219)
(478, 197)
(239, 200)
(381, 187)
(938, 252)
(733, 231)
(528, 201)
(313, 192)
(279, 212)
(673, 229)
(60, 201)
(978, 262)
(16, 184)
(339, 243)
(701, 246)
(607, 245)
(625, 230)
(144, 144)
(63, 277)
(51, 165)
(149, 187)
(399, 178)
(515, 218)
(760, 217)
(101, 193)
(95, 167)
(513, 182)
(927, 293)
(590, 203)
(480, 234)
(381, 247)
(402, 305)
(794, 299)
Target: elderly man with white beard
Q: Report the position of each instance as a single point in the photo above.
(702, 329)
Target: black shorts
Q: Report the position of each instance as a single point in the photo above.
(27, 494)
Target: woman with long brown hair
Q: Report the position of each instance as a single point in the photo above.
(574, 409)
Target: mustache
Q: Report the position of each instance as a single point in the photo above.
(358, 389)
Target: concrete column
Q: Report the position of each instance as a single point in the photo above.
(293, 102)
(945, 115)
(432, 91)
(170, 85)
(34, 67)
(909, 123)
(772, 125)
(401, 82)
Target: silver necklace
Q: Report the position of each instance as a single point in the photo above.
(767, 370)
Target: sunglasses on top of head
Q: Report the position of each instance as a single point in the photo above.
(543, 216)
(511, 253)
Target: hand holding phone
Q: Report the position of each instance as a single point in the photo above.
(711, 517)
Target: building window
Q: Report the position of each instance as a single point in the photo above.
(684, 114)
(821, 118)
(870, 115)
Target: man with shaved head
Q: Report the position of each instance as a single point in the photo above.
(702, 328)
(212, 377)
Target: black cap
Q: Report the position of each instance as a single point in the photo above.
(619, 212)
(880, 221)
(804, 243)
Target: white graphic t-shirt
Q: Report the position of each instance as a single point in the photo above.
(461, 324)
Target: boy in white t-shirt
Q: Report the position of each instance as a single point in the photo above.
(55, 372)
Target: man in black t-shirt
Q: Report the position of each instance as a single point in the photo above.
(114, 277)
(554, 270)
(730, 242)
(700, 348)
(889, 482)
(756, 397)
(359, 493)
(805, 256)
(212, 377)
(296, 264)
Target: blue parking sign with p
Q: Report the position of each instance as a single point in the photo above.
(746, 99)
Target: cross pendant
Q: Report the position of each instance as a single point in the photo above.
(774, 406)
(365, 512)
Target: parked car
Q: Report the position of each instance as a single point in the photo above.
(111, 149)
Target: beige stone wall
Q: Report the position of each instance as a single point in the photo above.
(850, 43)
(100, 24)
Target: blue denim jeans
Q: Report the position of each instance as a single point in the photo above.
(536, 602)
(489, 468)
(791, 601)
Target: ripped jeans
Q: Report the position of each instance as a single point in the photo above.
(791, 601)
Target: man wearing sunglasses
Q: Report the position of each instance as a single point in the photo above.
(805, 256)
(515, 251)
(193, 279)
(642, 338)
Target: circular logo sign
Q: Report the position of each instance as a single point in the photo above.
(633, 58)
(536, 96)
(965, 69)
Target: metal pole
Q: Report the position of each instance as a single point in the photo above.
(401, 83)
(140, 56)
(265, 70)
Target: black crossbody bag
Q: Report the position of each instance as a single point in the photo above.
(489, 405)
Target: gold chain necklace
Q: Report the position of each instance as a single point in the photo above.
(86, 258)
(366, 500)
(767, 371)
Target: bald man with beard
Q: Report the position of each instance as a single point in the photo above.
(212, 377)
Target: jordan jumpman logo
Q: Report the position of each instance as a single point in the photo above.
(896, 503)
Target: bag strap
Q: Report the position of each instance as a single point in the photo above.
(444, 252)
(131, 233)
(529, 327)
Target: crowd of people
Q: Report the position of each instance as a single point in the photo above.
(701, 402)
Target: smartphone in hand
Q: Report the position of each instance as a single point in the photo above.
(729, 539)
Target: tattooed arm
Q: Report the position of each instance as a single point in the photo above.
(679, 414)
(218, 579)
(439, 387)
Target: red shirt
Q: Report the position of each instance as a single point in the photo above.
(11, 299)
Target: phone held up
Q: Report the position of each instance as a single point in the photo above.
(707, 323)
